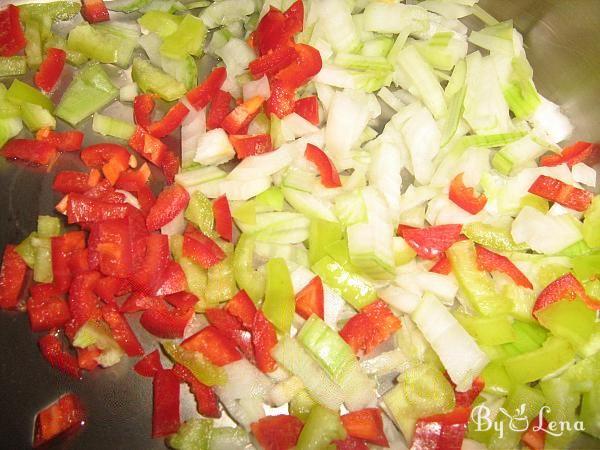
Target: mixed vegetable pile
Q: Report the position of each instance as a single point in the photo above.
(400, 240)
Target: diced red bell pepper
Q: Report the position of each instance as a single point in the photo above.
(373, 325)
(138, 301)
(442, 431)
(165, 403)
(308, 107)
(467, 398)
(431, 242)
(271, 63)
(442, 266)
(231, 327)
(366, 424)
(271, 32)
(220, 107)
(310, 299)
(207, 403)
(83, 302)
(98, 155)
(173, 280)
(12, 277)
(218, 348)
(78, 262)
(94, 11)
(104, 191)
(535, 436)
(69, 181)
(250, 145)
(566, 287)
(30, 151)
(149, 364)
(169, 123)
(166, 323)
(466, 197)
(294, 17)
(47, 309)
(580, 152)
(182, 300)
(264, 338)
(64, 141)
(84, 209)
(132, 180)
(237, 121)
(222, 215)
(12, 38)
(151, 148)
(170, 166)
(205, 92)
(107, 288)
(242, 307)
(64, 416)
(307, 64)
(170, 202)
(121, 331)
(277, 432)
(200, 248)
(110, 246)
(147, 277)
(282, 99)
(49, 72)
(329, 175)
(351, 443)
(143, 106)
(87, 358)
(52, 350)
(490, 261)
(562, 193)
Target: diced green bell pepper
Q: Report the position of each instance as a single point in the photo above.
(192, 435)
(199, 212)
(220, 285)
(202, 368)
(494, 237)
(27, 250)
(496, 379)
(56, 11)
(321, 234)
(494, 330)
(20, 93)
(160, 22)
(12, 66)
(321, 427)
(301, 405)
(35, 117)
(154, 80)
(279, 304)
(248, 278)
(188, 39)
(42, 268)
(33, 48)
(48, 226)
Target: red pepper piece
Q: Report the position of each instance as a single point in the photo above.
(54, 353)
(442, 266)
(78, 262)
(147, 277)
(237, 121)
(205, 92)
(87, 357)
(94, 11)
(270, 32)
(308, 107)
(207, 403)
(218, 348)
(309, 300)
(328, 172)
(98, 155)
(271, 63)
(490, 261)
(12, 277)
(366, 424)
(351, 443)
(200, 248)
(307, 64)
(173, 280)
(83, 303)
(535, 436)
(431, 242)
(84, 209)
(151, 148)
(467, 398)
(466, 197)
(566, 287)
(264, 339)
(277, 432)
(132, 180)
(64, 416)
(149, 364)
(110, 245)
(49, 72)
(121, 331)
(165, 403)
(294, 17)
(46, 308)
(220, 106)
(170, 202)
(231, 327)
(103, 191)
(169, 123)
(182, 300)
(30, 151)
(166, 323)
(170, 166)
(282, 99)
(222, 214)
(138, 301)
(242, 307)
(373, 325)
(580, 152)
(562, 193)
(12, 38)
(246, 145)
(64, 141)
(143, 105)
(107, 288)
(69, 181)
(442, 431)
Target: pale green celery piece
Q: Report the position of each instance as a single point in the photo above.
(160, 22)
(338, 250)
(279, 304)
(562, 401)
(380, 46)
(35, 117)
(127, 6)
(276, 131)
(522, 300)
(9, 128)
(197, 280)
(184, 70)
(195, 434)
(110, 126)
(586, 267)
(301, 404)
(27, 250)
(73, 57)
(539, 203)
(400, 410)
(502, 163)
(12, 66)
(576, 250)
(20, 93)
(55, 11)
(271, 199)
(490, 140)
(362, 62)
(426, 390)
(127, 37)
(520, 93)
(529, 336)
(455, 101)
(98, 334)
(248, 278)
(495, 330)
(33, 48)
(220, 285)
(245, 212)
(42, 268)
(199, 212)
(48, 226)
(353, 288)
(93, 43)
(188, 39)
(322, 426)
(321, 234)
(403, 253)
(591, 224)
(496, 379)
(154, 80)
(201, 368)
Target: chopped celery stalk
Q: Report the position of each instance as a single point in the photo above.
(496, 379)
(322, 426)
(279, 302)
(308, 204)
(379, 46)
(528, 337)
(491, 140)
(202, 368)
(247, 278)
(194, 176)
(35, 117)
(12, 66)
(586, 267)
(89, 91)
(109, 126)
(562, 401)
(188, 39)
(522, 300)
(476, 284)
(591, 224)
(531, 366)
(160, 22)
(403, 253)
(127, 37)
(487, 330)
(94, 44)
(426, 390)
(33, 48)
(97, 334)
(20, 93)
(9, 128)
(371, 250)
(42, 268)
(48, 226)
(220, 285)
(56, 11)
(154, 80)
(301, 404)
(496, 238)
(576, 250)
(520, 92)
(455, 102)
(362, 62)
(184, 70)
(195, 434)
(321, 234)
(27, 250)
(196, 278)
(271, 199)
(199, 212)
(127, 6)
(353, 288)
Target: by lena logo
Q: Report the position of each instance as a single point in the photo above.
(518, 422)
